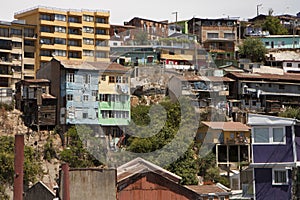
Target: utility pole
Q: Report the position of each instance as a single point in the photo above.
(175, 20)
(257, 9)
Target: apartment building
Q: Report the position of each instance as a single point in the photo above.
(17, 53)
(79, 35)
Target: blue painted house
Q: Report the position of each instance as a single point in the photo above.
(75, 83)
(281, 41)
(275, 155)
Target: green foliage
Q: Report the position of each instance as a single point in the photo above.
(141, 37)
(186, 167)
(291, 113)
(273, 25)
(7, 107)
(167, 135)
(75, 154)
(49, 150)
(32, 166)
(254, 49)
(3, 195)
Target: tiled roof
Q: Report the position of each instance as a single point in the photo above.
(283, 77)
(227, 126)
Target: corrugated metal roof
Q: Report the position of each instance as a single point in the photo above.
(285, 76)
(227, 126)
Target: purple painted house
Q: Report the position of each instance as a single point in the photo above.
(275, 156)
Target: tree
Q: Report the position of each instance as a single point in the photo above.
(254, 49)
(75, 154)
(166, 128)
(273, 25)
(32, 163)
(291, 113)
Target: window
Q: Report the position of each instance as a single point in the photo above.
(229, 35)
(103, 78)
(100, 54)
(289, 64)
(267, 43)
(272, 135)
(212, 35)
(28, 54)
(59, 17)
(74, 19)
(85, 97)
(101, 43)
(111, 79)
(28, 32)
(46, 29)
(119, 79)
(100, 20)
(45, 17)
(89, 53)
(28, 66)
(59, 41)
(87, 29)
(76, 43)
(84, 115)
(88, 18)
(4, 32)
(281, 87)
(280, 176)
(45, 41)
(94, 93)
(60, 53)
(100, 31)
(60, 29)
(69, 97)
(28, 42)
(17, 44)
(70, 77)
(15, 31)
(125, 79)
(73, 54)
(87, 79)
(89, 41)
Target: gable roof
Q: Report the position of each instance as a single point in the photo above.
(139, 165)
(227, 126)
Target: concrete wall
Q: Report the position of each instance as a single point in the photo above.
(96, 184)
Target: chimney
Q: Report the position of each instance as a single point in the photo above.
(66, 182)
(19, 162)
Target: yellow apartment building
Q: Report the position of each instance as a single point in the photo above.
(17, 54)
(69, 34)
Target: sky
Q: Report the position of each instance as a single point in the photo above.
(159, 10)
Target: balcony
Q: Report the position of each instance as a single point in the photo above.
(102, 25)
(238, 140)
(102, 37)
